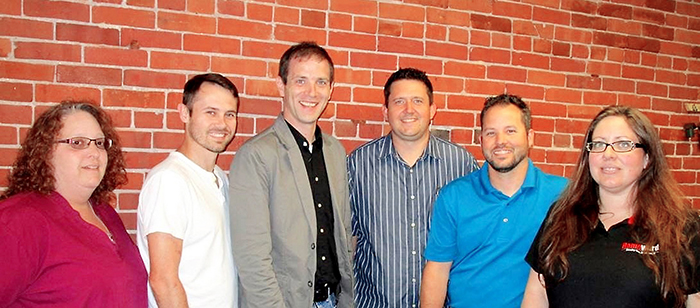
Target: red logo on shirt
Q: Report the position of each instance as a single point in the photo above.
(640, 249)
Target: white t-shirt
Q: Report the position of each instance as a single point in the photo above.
(184, 200)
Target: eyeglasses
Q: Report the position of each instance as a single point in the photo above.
(617, 146)
(81, 143)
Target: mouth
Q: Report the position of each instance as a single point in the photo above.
(92, 167)
(609, 169)
(409, 120)
(502, 151)
(308, 104)
(218, 134)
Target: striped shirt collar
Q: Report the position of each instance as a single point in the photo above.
(387, 149)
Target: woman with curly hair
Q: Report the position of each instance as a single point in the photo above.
(62, 244)
(622, 234)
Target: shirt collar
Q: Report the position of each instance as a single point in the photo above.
(301, 140)
(387, 149)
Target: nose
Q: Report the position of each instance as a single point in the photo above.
(609, 152)
(93, 149)
(313, 90)
(500, 137)
(409, 107)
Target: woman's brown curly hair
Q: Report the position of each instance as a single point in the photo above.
(32, 171)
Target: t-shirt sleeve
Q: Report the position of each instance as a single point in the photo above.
(442, 238)
(163, 205)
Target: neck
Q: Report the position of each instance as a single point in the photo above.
(199, 155)
(79, 201)
(410, 150)
(509, 182)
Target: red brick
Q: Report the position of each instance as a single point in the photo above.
(368, 95)
(312, 4)
(267, 50)
(18, 92)
(683, 36)
(582, 6)
(582, 112)
(563, 95)
(546, 78)
(215, 44)
(584, 21)
(352, 40)
(694, 80)
(360, 112)
(412, 29)
(573, 35)
(462, 102)
(597, 53)
(670, 77)
(256, 11)
(46, 51)
(506, 73)
(370, 131)
(189, 23)
(89, 75)
(583, 82)
(355, 7)
(635, 101)
(87, 34)
(446, 50)
(601, 38)
(365, 24)
(614, 10)
(447, 17)
(644, 44)
(26, 28)
(473, 5)
(134, 99)
(113, 56)
(466, 70)
(489, 55)
(500, 40)
(313, 19)
(526, 91)
(177, 5)
(688, 8)
(662, 104)
(615, 84)
(490, 88)
(56, 93)
(167, 60)
(580, 51)
(491, 23)
(630, 27)
(123, 16)
(435, 32)
(57, 9)
(5, 47)
(26, 71)
(373, 60)
(649, 88)
(286, 15)
(522, 43)
(561, 49)
(135, 39)
(448, 84)
(546, 109)
(685, 93)
(345, 129)
(480, 38)
(683, 50)
(551, 16)
(450, 118)
(342, 22)
(232, 7)
(401, 12)
(637, 72)
(387, 27)
(512, 10)
(430, 66)
(204, 7)
(675, 21)
(9, 135)
(140, 3)
(151, 79)
(261, 87)
(542, 46)
(399, 45)
(664, 5)
(599, 98)
(642, 14)
(604, 69)
(246, 67)
(149, 119)
(568, 65)
(459, 35)
(11, 7)
(293, 33)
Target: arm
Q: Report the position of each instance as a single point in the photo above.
(164, 252)
(535, 293)
(433, 288)
(693, 300)
(251, 242)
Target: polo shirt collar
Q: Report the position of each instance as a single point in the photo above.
(529, 182)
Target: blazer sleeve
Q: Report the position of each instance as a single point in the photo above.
(250, 229)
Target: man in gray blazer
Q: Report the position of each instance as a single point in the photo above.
(290, 214)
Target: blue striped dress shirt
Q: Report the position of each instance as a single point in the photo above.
(391, 207)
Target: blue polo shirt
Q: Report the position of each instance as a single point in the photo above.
(486, 235)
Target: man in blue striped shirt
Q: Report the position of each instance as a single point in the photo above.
(393, 183)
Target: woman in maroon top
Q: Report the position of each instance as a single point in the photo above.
(62, 244)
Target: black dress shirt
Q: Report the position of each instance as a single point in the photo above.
(327, 272)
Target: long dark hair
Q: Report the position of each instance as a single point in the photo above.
(661, 216)
(32, 170)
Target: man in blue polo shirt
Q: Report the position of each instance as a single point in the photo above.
(483, 223)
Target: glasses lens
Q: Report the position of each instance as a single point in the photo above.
(623, 146)
(79, 142)
(597, 146)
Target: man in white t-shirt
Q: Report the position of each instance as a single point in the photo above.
(183, 226)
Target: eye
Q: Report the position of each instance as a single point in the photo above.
(624, 145)
(511, 131)
(597, 145)
(231, 115)
(78, 142)
(300, 81)
(489, 133)
(322, 82)
(100, 142)
(398, 101)
(418, 101)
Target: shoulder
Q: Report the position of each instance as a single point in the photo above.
(448, 149)
(171, 169)
(368, 148)
(462, 185)
(551, 179)
(25, 211)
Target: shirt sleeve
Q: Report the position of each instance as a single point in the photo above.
(442, 238)
(163, 204)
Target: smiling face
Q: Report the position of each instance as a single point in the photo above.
(212, 122)
(504, 139)
(408, 110)
(616, 173)
(306, 93)
(78, 172)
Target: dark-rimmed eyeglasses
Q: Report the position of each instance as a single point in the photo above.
(81, 143)
(621, 146)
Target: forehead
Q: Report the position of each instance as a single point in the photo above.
(613, 126)
(308, 64)
(77, 122)
(214, 95)
(503, 115)
(404, 87)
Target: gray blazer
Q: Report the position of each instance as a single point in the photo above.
(273, 221)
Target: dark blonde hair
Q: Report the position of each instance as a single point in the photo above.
(662, 214)
(32, 170)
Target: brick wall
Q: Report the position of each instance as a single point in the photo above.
(567, 58)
